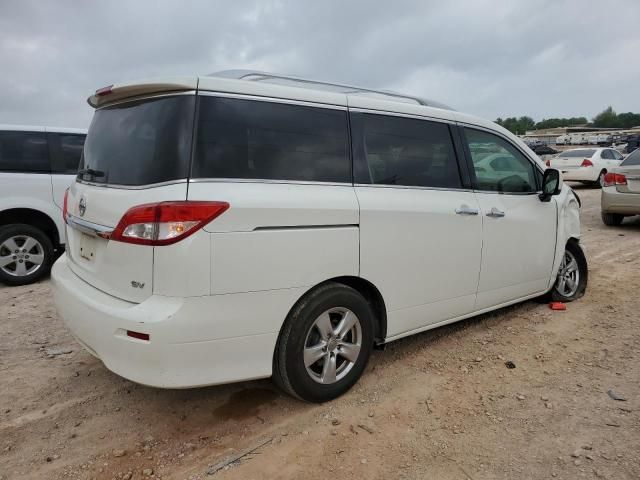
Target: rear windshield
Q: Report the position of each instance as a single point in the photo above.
(588, 153)
(139, 143)
(632, 159)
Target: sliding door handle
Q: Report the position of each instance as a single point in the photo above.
(466, 210)
(495, 213)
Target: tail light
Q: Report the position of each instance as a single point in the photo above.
(548, 163)
(65, 205)
(587, 163)
(165, 223)
(611, 179)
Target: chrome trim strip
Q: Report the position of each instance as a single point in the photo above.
(289, 101)
(132, 187)
(412, 187)
(303, 227)
(90, 228)
(145, 97)
(260, 180)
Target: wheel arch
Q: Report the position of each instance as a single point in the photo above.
(369, 291)
(32, 217)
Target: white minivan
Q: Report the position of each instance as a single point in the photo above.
(37, 165)
(246, 225)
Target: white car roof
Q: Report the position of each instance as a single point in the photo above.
(33, 128)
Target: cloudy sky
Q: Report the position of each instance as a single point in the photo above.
(490, 58)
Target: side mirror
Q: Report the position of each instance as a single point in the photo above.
(551, 184)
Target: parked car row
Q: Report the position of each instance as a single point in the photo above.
(628, 142)
(37, 165)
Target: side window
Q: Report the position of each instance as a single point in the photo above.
(498, 165)
(66, 150)
(392, 150)
(263, 140)
(617, 155)
(606, 155)
(24, 152)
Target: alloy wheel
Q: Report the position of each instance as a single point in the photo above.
(332, 345)
(21, 255)
(568, 275)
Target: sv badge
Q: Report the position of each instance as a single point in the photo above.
(135, 284)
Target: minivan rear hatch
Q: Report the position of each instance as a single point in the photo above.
(137, 152)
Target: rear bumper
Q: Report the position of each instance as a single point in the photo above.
(580, 174)
(194, 341)
(613, 201)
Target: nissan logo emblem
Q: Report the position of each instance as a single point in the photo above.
(82, 206)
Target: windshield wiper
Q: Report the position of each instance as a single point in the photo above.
(90, 171)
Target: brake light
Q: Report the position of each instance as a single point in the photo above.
(587, 163)
(611, 179)
(101, 92)
(548, 163)
(165, 223)
(65, 205)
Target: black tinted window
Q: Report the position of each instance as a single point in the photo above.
(66, 150)
(498, 165)
(632, 159)
(24, 152)
(140, 143)
(607, 155)
(586, 153)
(263, 140)
(403, 151)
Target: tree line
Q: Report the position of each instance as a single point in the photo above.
(608, 118)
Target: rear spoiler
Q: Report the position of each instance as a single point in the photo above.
(114, 93)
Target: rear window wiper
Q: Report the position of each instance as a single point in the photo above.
(90, 171)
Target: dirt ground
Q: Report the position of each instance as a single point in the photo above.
(438, 405)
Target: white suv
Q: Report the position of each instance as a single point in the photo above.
(225, 229)
(37, 164)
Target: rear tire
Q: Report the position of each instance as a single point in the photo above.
(315, 359)
(573, 275)
(600, 182)
(26, 254)
(612, 219)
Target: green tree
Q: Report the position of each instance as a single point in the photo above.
(608, 118)
(629, 120)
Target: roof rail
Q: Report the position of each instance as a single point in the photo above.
(256, 76)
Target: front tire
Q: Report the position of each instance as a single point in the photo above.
(573, 274)
(325, 344)
(612, 219)
(26, 254)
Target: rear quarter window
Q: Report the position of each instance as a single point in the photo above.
(249, 139)
(24, 152)
(66, 151)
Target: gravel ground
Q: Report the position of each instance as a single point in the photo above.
(441, 404)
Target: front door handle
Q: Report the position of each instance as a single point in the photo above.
(466, 210)
(495, 213)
